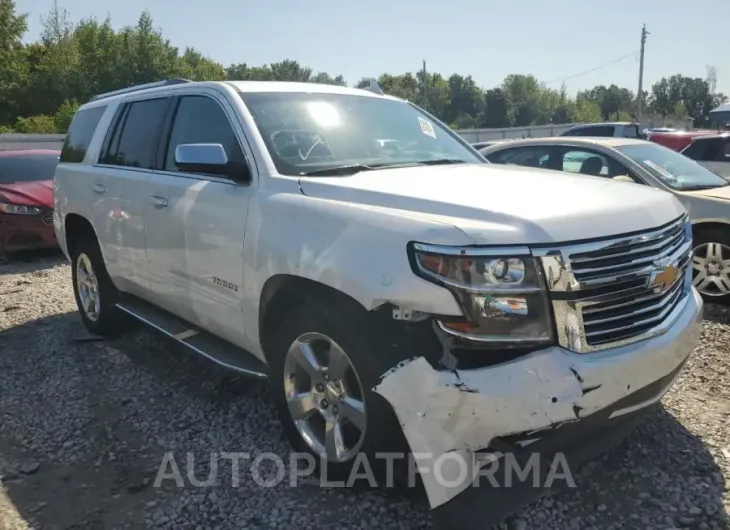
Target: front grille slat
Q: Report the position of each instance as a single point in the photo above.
(606, 291)
(48, 218)
(577, 262)
(667, 248)
(637, 307)
(616, 333)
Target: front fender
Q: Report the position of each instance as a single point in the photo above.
(357, 249)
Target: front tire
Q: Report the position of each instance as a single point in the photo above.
(324, 362)
(96, 296)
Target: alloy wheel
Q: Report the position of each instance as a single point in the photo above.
(711, 269)
(324, 397)
(87, 287)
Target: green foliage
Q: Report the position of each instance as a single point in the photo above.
(38, 124)
(64, 115)
(73, 61)
(4, 129)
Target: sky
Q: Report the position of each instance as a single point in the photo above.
(555, 41)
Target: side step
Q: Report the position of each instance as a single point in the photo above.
(206, 344)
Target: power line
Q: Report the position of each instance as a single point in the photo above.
(632, 54)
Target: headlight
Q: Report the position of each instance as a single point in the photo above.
(501, 292)
(19, 209)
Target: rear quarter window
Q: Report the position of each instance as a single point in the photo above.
(80, 134)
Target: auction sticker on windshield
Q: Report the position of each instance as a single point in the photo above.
(659, 169)
(427, 127)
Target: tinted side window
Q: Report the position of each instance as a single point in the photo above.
(705, 150)
(134, 142)
(525, 156)
(603, 131)
(80, 133)
(200, 119)
(585, 162)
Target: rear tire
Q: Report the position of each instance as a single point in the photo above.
(96, 296)
(343, 329)
(711, 265)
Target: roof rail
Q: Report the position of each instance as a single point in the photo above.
(136, 88)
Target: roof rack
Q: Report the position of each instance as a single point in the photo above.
(136, 88)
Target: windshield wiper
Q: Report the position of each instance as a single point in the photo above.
(440, 161)
(704, 187)
(349, 169)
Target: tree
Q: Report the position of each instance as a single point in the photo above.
(43, 82)
(691, 97)
(496, 113)
(13, 60)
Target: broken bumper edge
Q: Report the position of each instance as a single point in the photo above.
(463, 413)
(488, 502)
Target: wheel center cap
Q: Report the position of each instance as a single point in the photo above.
(332, 392)
(713, 268)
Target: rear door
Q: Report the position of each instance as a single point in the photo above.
(125, 164)
(196, 223)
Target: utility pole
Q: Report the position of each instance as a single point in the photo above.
(640, 95)
(425, 86)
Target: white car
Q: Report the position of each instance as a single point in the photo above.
(711, 151)
(412, 298)
(606, 129)
(705, 195)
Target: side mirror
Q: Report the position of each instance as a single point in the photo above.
(623, 178)
(210, 159)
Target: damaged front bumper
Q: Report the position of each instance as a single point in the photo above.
(464, 412)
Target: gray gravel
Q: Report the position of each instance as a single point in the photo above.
(84, 426)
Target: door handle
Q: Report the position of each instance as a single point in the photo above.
(159, 202)
(98, 188)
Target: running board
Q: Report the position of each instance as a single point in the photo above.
(206, 344)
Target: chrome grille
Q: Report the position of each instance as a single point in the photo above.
(620, 291)
(48, 218)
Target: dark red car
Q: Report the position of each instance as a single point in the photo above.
(26, 200)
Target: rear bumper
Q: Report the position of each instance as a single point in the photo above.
(26, 232)
(464, 412)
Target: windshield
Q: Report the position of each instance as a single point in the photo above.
(672, 168)
(27, 168)
(309, 133)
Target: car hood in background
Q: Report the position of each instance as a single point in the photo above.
(498, 205)
(35, 193)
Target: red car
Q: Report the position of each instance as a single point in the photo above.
(677, 140)
(26, 200)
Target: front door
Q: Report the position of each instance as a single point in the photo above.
(195, 223)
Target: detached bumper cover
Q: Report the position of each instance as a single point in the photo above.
(464, 412)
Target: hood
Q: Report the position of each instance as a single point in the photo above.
(506, 204)
(715, 193)
(36, 193)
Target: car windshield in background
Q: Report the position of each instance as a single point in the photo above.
(674, 169)
(339, 134)
(27, 168)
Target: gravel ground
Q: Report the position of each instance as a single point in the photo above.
(84, 426)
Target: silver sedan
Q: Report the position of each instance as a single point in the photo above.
(705, 194)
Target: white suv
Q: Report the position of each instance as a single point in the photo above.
(391, 292)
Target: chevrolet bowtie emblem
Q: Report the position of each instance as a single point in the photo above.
(663, 278)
